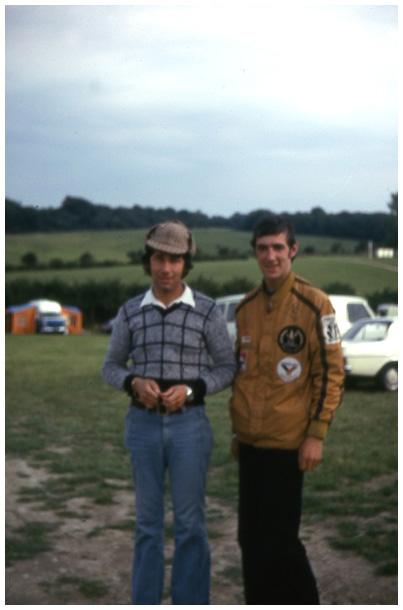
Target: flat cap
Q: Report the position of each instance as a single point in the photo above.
(172, 237)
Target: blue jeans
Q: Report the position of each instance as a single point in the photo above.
(182, 444)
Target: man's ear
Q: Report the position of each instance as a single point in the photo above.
(294, 250)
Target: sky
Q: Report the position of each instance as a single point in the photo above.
(210, 108)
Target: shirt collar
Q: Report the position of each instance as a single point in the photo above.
(186, 297)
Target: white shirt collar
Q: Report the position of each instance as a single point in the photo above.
(186, 297)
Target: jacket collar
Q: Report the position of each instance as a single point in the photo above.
(278, 297)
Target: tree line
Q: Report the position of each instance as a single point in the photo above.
(77, 214)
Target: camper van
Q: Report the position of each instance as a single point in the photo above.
(349, 309)
(44, 317)
(48, 317)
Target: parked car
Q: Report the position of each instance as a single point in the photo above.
(227, 307)
(387, 309)
(349, 309)
(370, 350)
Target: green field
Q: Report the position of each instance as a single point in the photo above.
(114, 245)
(364, 276)
(64, 419)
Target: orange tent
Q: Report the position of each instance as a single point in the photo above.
(23, 319)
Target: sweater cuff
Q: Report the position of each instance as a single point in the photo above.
(318, 429)
(199, 390)
(127, 385)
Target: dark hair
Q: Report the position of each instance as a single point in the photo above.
(273, 224)
(150, 251)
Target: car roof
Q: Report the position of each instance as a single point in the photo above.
(377, 319)
(231, 297)
(347, 297)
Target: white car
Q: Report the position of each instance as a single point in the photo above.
(370, 351)
(227, 307)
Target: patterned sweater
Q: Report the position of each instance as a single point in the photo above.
(181, 344)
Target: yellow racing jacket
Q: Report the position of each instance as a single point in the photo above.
(290, 376)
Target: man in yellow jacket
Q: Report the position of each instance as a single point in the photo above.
(288, 386)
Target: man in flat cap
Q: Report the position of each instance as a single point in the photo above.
(169, 349)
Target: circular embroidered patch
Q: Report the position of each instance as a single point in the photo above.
(289, 369)
(291, 339)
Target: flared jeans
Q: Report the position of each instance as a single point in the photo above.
(179, 444)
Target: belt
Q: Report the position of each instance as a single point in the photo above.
(161, 408)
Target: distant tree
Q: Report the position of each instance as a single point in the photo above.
(393, 204)
(336, 248)
(135, 256)
(339, 288)
(392, 235)
(309, 250)
(86, 260)
(29, 259)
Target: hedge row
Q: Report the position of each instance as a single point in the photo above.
(99, 301)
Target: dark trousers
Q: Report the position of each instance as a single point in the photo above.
(275, 566)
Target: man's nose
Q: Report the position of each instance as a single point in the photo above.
(166, 266)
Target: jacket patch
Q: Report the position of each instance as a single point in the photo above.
(331, 331)
(246, 337)
(243, 360)
(289, 369)
(291, 339)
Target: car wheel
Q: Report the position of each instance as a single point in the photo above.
(388, 378)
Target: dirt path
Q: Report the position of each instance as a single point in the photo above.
(78, 559)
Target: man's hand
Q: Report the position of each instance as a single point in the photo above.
(147, 390)
(310, 453)
(174, 398)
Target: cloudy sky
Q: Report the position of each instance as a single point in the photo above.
(203, 108)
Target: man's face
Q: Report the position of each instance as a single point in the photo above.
(274, 257)
(167, 271)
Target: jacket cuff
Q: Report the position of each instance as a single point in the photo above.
(318, 429)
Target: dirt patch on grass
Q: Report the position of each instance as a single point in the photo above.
(90, 561)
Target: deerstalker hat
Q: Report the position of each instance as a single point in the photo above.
(172, 237)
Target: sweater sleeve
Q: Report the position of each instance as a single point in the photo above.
(219, 345)
(115, 369)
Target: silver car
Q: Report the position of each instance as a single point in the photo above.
(370, 350)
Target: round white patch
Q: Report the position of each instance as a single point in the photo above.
(289, 369)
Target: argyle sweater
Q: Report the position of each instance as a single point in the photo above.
(181, 344)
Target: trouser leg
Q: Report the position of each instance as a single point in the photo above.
(276, 569)
(188, 449)
(144, 441)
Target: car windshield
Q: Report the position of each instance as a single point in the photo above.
(231, 312)
(356, 311)
(368, 331)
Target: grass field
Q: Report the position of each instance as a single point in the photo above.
(62, 417)
(364, 276)
(114, 245)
